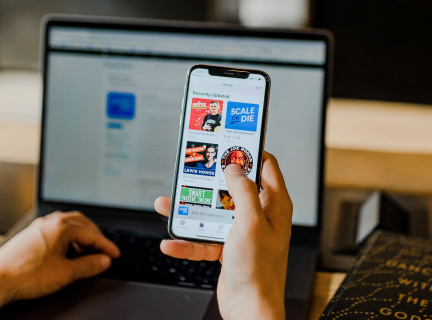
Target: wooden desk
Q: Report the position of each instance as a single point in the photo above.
(379, 145)
(325, 286)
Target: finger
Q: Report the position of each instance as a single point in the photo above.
(192, 251)
(274, 191)
(89, 266)
(74, 217)
(163, 206)
(245, 194)
(271, 176)
(89, 238)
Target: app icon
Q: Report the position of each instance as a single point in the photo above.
(221, 226)
(182, 222)
(120, 105)
(201, 224)
(184, 211)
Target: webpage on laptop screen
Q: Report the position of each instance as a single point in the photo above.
(113, 108)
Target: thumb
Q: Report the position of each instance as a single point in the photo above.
(89, 266)
(244, 192)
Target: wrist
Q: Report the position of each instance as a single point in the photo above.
(7, 290)
(260, 306)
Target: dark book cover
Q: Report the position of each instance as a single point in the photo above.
(392, 279)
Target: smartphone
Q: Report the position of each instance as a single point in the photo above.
(223, 121)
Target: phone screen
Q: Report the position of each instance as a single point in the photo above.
(223, 123)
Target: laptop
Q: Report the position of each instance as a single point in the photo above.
(112, 168)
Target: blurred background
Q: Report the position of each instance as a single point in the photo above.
(382, 46)
(379, 125)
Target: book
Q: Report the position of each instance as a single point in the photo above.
(391, 279)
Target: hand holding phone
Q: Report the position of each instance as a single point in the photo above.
(223, 122)
(254, 257)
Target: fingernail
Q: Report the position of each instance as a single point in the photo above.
(105, 262)
(164, 242)
(234, 169)
(162, 245)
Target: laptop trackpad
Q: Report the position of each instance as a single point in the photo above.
(110, 299)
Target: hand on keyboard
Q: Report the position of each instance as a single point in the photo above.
(34, 262)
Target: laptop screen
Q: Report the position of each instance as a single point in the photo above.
(112, 108)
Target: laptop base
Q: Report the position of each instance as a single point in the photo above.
(112, 300)
(302, 262)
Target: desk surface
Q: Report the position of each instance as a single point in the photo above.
(379, 145)
(325, 286)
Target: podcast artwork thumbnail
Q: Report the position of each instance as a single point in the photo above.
(237, 155)
(200, 158)
(225, 201)
(242, 116)
(197, 197)
(206, 115)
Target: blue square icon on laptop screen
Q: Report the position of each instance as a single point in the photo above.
(242, 116)
(120, 105)
(184, 211)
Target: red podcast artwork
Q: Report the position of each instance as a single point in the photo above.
(206, 115)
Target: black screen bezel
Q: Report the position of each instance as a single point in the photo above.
(302, 234)
(220, 71)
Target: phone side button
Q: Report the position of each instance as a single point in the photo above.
(266, 121)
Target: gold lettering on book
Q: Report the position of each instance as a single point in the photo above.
(414, 300)
(385, 311)
(400, 314)
(423, 302)
(412, 268)
(415, 284)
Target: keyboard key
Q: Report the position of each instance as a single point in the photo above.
(206, 286)
(186, 284)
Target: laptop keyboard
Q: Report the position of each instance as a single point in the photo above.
(143, 261)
